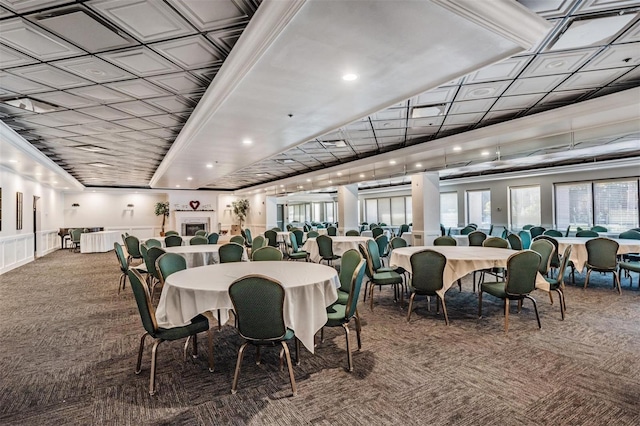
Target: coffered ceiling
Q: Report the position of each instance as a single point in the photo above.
(134, 93)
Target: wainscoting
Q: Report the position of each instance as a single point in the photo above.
(15, 251)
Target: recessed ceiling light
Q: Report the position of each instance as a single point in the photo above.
(330, 181)
(482, 91)
(13, 161)
(247, 141)
(38, 174)
(350, 77)
(189, 178)
(66, 187)
(484, 153)
(361, 174)
(55, 181)
(392, 162)
(100, 165)
(419, 165)
(281, 186)
(177, 186)
(209, 166)
(90, 148)
(32, 105)
(334, 144)
(300, 186)
(555, 64)
(339, 173)
(308, 180)
(457, 148)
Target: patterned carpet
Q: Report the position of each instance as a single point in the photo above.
(69, 342)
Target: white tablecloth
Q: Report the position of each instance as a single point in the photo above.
(340, 245)
(461, 240)
(200, 255)
(309, 289)
(579, 249)
(99, 242)
(408, 237)
(461, 261)
(185, 240)
(369, 233)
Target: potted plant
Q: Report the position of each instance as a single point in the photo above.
(162, 209)
(240, 209)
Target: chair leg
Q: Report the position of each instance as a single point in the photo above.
(144, 336)
(257, 355)
(535, 307)
(219, 321)
(185, 349)
(297, 351)
(236, 374)
(561, 296)
(460, 286)
(413, 295)
(152, 375)
(358, 330)
(444, 310)
(480, 304)
(616, 280)
(372, 287)
(506, 315)
(349, 357)
(291, 376)
(551, 297)
(210, 344)
(195, 346)
(586, 282)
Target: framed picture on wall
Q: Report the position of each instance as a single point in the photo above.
(18, 210)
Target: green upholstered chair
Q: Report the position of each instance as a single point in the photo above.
(266, 254)
(198, 240)
(379, 277)
(299, 233)
(258, 303)
(443, 230)
(313, 234)
(153, 277)
(383, 247)
(272, 237)
(133, 248)
(587, 234)
(376, 232)
(352, 233)
(122, 235)
(124, 265)
(427, 269)
(557, 284)
(325, 249)
(230, 252)
(238, 239)
(248, 238)
(332, 231)
(403, 228)
(545, 249)
(525, 237)
(630, 235)
(340, 314)
(599, 228)
(527, 227)
(476, 238)
(169, 233)
(467, 230)
(75, 239)
(566, 234)
(536, 230)
(498, 272)
(201, 233)
(152, 242)
(350, 261)
(372, 225)
(515, 242)
(505, 233)
(496, 242)
(213, 238)
(148, 316)
(169, 263)
(627, 267)
(258, 242)
(296, 253)
(555, 257)
(522, 270)
(473, 225)
(276, 229)
(445, 241)
(173, 241)
(602, 257)
(397, 242)
(553, 233)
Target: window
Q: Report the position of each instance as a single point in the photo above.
(371, 210)
(479, 208)
(616, 204)
(524, 206)
(408, 212)
(573, 205)
(384, 210)
(329, 212)
(397, 211)
(449, 209)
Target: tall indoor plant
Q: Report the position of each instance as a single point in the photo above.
(162, 209)
(240, 209)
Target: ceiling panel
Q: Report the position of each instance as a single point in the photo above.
(141, 61)
(29, 39)
(50, 76)
(94, 69)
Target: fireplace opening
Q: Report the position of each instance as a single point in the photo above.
(190, 229)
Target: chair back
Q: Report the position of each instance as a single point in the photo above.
(473, 225)
(238, 239)
(599, 228)
(522, 270)
(150, 260)
(553, 233)
(505, 233)
(376, 232)
(230, 252)
(258, 303)
(198, 240)
(169, 233)
(383, 245)
(545, 249)
(374, 255)
(258, 242)
(476, 238)
(294, 242)
(514, 242)
(427, 269)
(143, 252)
(496, 242)
(122, 259)
(332, 231)
(173, 241)
(352, 233)
(555, 257)
(365, 254)
(443, 230)
(143, 300)
(276, 228)
(133, 246)
(398, 242)
(525, 237)
(630, 235)
(403, 228)
(169, 263)
(201, 233)
(325, 246)
(563, 264)
(536, 230)
(299, 233)
(248, 237)
(213, 238)
(152, 242)
(527, 227)
(372, 225)
(602, 253)
(587, 234)
(312, 234)
(354, 289)
(350, 261)
(272, 237)
(266, 253)
(445, 241)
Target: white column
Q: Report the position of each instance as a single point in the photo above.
(425, 196)
(271, 212)
(347, 208)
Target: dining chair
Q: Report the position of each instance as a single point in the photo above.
(201, 233)
(169, 263)
(378, 276)
(587, 234)
(231, 252)
(427, 272)
(299, 233)
(272, 237)
(153, 276)
(527, 227)
(169, 233)
(515, 242)
(258, 242)
(352, 233)
(403, 228)
(124, 265)
(133, 248)
(173, 241)
(152, 242)
(248, 238)
(258, 303)
(148, 316)
(383, 247)
(312, 234)
(557, 284)
(340, 314)
(522, 270)
(630, 235)
(555, 257)
(599, 228)
(602, 257)
(332, 231)
(476, 238)
(265, 254)
(525, 237)
(296, 253)
(498, 272)
(372, 225)
(397, 242)
(238, 239)
(545, 249)
(445, 240)
(213, 238)
(536, 230)
(628, 267)
(325, 249)
(75, 239)
(443, 230)
(198, 240)
(376, 232)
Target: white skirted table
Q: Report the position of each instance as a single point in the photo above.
(340, 245)
(369, 233)
(99, 242)
(309, 289)
(201, 254)
(185, 240)
(579, 249)
(461, 261)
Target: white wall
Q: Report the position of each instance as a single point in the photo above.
(17, 246)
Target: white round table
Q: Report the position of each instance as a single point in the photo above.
(340, 245)
(309, 289)
(579, 249)
(201, 254)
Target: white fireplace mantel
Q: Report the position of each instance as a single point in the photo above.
(208, 217)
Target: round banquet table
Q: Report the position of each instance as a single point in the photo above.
(579, 249)
(340, 245)
(201, 254)
(461, 261)
(309, 289)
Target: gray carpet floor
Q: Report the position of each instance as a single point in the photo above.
(68, 345)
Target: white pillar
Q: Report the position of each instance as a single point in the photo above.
(348, 208)
(271, 212)
(425, 196)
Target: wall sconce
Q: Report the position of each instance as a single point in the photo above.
(130, 205)
(75, 205)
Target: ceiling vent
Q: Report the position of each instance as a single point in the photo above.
(334, 144)
(424, 111)
(32, 105)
